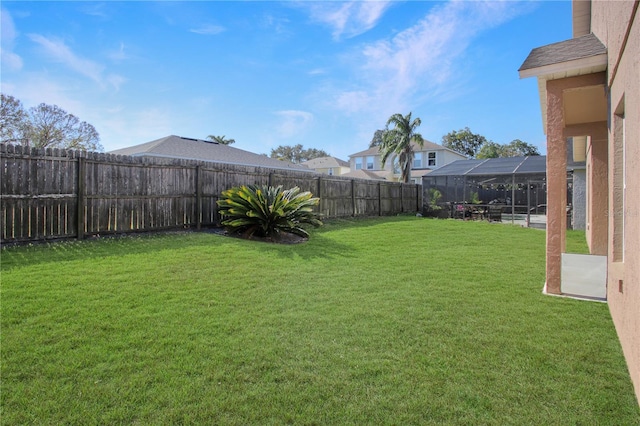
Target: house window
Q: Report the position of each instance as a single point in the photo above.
(619, 183)
(432, 159)
(417, 161)
(370, 163)
(330, 172)
(358, 163)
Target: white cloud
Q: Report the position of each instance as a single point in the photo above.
(115, 81)
(277, 24)
(317, 71)
(420, 61)
(119, 54)
(208, 29)
(347, 19)
(36, 88)
(10, 60)
(60, 52)
(292, 122)
(95, 9)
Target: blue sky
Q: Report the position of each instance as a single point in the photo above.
(323, 74)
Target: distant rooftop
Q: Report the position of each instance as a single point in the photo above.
(324, 162)
(198, 149)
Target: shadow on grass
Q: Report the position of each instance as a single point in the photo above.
(103, 247)
(135, 244)
(318, 247)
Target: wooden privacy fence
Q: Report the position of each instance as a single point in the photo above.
(52, 193)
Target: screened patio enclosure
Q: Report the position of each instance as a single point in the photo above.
(515, 184)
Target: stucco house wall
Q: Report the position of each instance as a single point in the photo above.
(450, 157)
(617, 25)
(590, 87)
(443, 156)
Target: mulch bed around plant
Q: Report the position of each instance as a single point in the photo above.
(282, 238)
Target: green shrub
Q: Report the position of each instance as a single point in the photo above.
(475, 199)
(434, 197)
(266, 211)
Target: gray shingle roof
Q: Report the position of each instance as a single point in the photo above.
(573, 49)
(363, 174)
(325, 162)
(198, 149)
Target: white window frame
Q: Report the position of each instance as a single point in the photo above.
(432, 159)
(417, 161)
(371, 162)
(358, 161)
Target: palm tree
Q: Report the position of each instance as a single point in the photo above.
(398, 141)
(221, 139)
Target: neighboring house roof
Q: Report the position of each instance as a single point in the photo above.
(198, 149)
(325, 163)
(363, 174)
(494, 166)
(420, 172)
(427, 146)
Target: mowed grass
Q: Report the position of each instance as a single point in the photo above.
(378, 321)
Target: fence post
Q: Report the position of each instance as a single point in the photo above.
(418, 197)
(270, 179)
(379, 199)
(322, 202)
(353, 197)
(81, 196)
(198, 198)
(401, 197)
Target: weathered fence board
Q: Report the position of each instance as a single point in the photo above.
(53, 194)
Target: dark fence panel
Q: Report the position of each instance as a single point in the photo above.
(54, 194)
(39, 193)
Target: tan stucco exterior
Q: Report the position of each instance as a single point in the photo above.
(440, 156)
(618, 26)
(597, 96)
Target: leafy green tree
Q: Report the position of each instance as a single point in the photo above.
(518, 148)
(398, 140)
(268, 211)
(464, 141)
(377, 138)
(490, 149)
(515, 148)
(296, 153)
(222, 140)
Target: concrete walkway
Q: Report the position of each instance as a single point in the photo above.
(538, 221)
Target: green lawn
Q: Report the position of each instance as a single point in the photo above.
(381, 321)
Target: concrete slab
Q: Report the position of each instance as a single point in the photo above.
(584, 275)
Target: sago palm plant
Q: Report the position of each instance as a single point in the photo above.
(267, 211)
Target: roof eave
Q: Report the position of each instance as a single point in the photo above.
(576, 67)
(568, 68)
